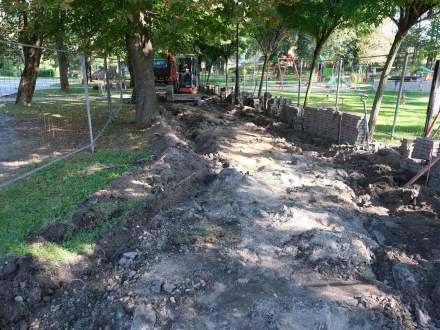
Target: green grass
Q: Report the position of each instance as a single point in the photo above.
(76, 89)
(53, 194)
(410, 121)
(56, 192)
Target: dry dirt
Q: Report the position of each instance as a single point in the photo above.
(247, 226)
(28, 139)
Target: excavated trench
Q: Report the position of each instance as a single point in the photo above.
(245, 226)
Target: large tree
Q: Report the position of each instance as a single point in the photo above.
(141, 55)
(140, 27)
(29, 29)
(405, 14)
(31, 23)
(320, 18)
(63, 59)
(108, 27)
(268, 31)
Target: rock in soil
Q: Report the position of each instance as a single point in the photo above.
(144, 318)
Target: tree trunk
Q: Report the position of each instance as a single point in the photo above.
(221, 67)
(28, 80)
(316, 53)
(140, 53)
(383, 78)
(226, 71)
(209, 68)
(32, 56)
(89, 69)
(260, 88)
(130, 70)
(63, 61)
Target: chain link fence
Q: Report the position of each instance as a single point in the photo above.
(75, 98)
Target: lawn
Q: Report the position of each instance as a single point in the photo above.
(56, 192)
(410, 122)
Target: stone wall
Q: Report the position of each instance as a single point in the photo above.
(426, 148)
(327, 123)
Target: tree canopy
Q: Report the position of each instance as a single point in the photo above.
(138, 30)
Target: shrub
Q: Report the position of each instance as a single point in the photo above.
(46, 73)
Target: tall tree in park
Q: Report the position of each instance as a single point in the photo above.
(63, 60)
(319, 18)
(226, 51)
(129, 24)
(304, 47)
(56, 26)
(29, 17)
(219, 29)
(269, 32)
(137, 25)
(405, 14)
(141, 55)
(433, 36)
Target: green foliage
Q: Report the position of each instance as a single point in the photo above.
(46, 73)
(304, 46)
(343, 43)
(319, 18)
(267, 28)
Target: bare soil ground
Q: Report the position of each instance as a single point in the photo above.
(246, 226)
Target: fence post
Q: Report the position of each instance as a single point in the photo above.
(86, 93)
(339, 82)
(109, 96)
(299, 82)
(399, 95)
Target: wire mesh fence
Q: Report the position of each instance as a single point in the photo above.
(45, 118)
(342, 83)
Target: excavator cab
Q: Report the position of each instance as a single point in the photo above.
(187, 74)
(179, 74)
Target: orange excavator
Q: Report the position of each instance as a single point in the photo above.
(179, 71)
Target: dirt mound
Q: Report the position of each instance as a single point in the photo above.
(23, 286)
(204, 129)
(376, 177)
(175, 174)
(405, 226)
(178, 173)
(92, 213)
(409, 261)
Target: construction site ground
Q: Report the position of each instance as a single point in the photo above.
(244, 224)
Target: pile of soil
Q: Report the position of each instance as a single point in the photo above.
(27, 285)
(406, 225)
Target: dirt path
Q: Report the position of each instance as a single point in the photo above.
(12, 148)
(282, 247)
(248, 232)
